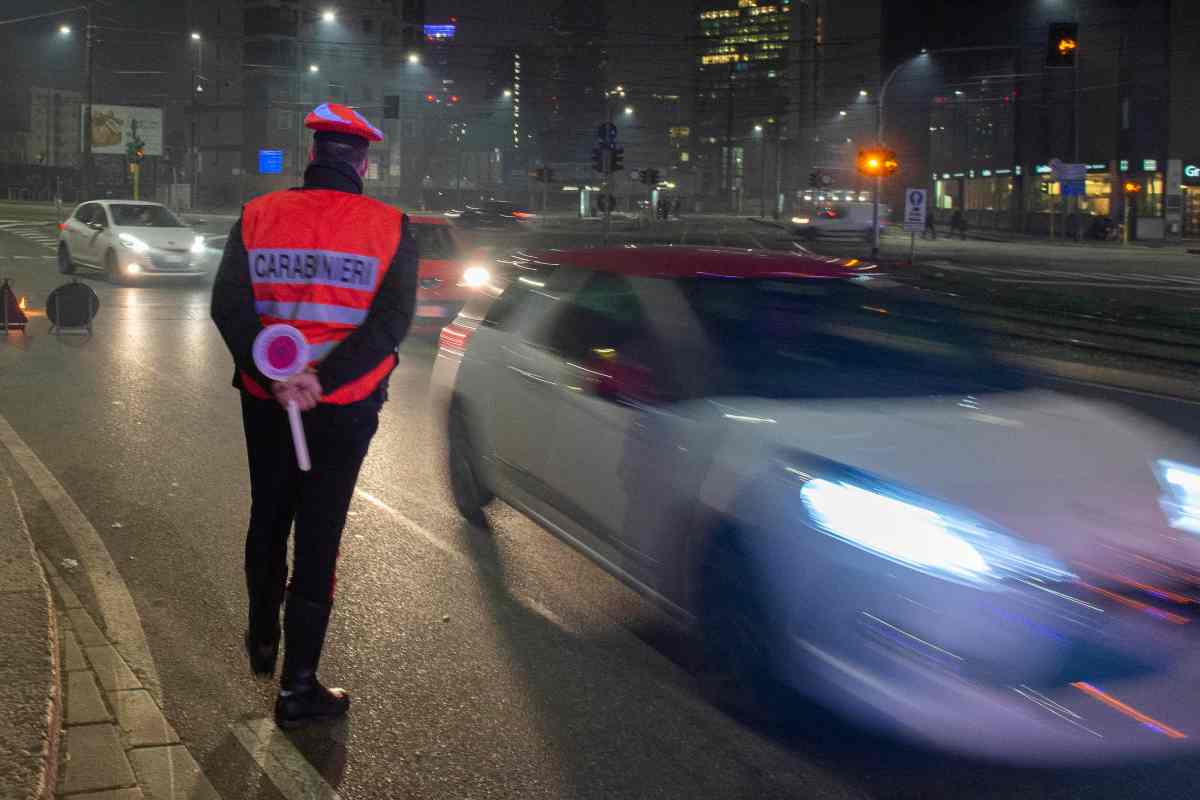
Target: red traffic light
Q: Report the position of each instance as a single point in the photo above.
(429, 98)
(454, 98)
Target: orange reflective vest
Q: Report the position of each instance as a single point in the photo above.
(317, 258)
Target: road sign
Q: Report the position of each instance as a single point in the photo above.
(1063, 171)
(915, 209)
(1072, 188)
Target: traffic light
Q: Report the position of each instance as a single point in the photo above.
(598, 157)
(429, 98)
(1062, 44)
(618, 158)
(814, 180)
(648, 176)
(139, 154)
(877, 162)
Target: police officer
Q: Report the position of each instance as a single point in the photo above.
(342, 268)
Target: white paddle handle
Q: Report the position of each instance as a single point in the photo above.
(298, 440)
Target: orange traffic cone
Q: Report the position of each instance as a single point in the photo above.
(11, 315)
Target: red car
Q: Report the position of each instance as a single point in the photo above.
(448, 275)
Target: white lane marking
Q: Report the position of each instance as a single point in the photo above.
(1104, 285)
(409, 523)
(279, 759)
(118, 614)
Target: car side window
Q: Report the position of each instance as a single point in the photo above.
(602, 315)
(84, 213)
(100, 214)
(504, 312)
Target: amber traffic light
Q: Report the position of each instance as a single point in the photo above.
(877, 162)
(1062, 44)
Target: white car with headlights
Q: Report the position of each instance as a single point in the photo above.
(838, 485)
(838, 219)
(130, 240)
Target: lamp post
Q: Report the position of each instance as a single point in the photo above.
(762, 171)
(879, 110)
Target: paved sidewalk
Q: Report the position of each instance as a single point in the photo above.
(117, 745)
(29, 667)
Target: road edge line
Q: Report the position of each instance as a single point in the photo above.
(118, 614)
(1110, 377)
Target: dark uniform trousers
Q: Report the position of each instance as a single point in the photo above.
(316, 501)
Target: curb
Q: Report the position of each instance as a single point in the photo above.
(32, 724)
(1080, 372)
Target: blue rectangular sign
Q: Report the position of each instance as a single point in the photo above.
(1072, 188)
(439, 31)
(270, 162)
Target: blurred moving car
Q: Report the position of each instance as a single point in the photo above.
(448, 274)
(492, 214)
(838, 220)
(833, 479)
(129, 240)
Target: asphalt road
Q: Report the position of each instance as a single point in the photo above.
(483, 663)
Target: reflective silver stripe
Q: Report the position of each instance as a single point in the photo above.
(312, 267)
(310, 312)
(317, 352)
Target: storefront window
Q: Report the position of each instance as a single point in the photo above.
(946, 194)
(1099, 195)
(1150, 201)
(989, 194)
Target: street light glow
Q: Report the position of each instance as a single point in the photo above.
(313, 68)
(862, 92)
(65, 30)
(628, 109)
(413, 58)
(195, 36)
(758, 128)
(508, 92)
(329, 15)
(841, 113)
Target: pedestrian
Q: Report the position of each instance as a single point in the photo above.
(958, 224)
(930, 231)
(342, 268)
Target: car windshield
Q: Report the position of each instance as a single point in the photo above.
(786, 339)
(129, 215)
(434, 242)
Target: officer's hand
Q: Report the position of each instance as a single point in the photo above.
(304, 389)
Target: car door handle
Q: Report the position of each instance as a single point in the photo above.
(532, 377)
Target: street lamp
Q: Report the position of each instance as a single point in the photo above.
(64, 30)
(842, 113)
(414, 58)
(313, 68)
(862, 93)
(758, 128)
(628, 110)
(195, 36)
(329, 15)
(508, 92)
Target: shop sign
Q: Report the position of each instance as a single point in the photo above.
(1004, 172)
(1191, 173)
(1123, 166)
(1149, 165)
(985, 173)
(1097, 167)
(1042, 169)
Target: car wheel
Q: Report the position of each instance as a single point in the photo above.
(466, 484)
(65, 265)
(736, 633)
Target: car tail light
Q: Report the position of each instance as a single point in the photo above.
(454, 338)
(522, 214)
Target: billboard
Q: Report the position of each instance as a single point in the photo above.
(113, 127)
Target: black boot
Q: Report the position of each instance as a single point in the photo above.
(302, 698)
(262, 630)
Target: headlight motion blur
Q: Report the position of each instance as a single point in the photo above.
(197, 246)
(1181, 495)
(476, 276)
(133, 243)
(922, 535)
(800, 220)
